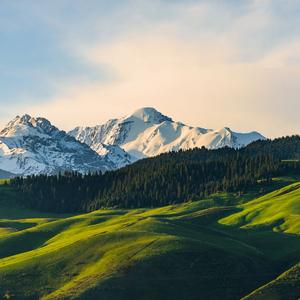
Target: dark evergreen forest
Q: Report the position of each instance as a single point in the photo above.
(170, 178)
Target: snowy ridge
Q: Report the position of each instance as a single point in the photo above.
(33, 146)
(5, 174)
(114, 154)
(147, 133)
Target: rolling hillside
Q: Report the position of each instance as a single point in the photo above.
(189, 251)
(280, 212)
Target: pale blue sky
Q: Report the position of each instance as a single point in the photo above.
(208, 63)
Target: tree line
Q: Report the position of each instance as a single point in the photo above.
(170, 178)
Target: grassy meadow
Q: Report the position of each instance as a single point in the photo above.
(224, 247)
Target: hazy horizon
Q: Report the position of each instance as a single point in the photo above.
(205, 63)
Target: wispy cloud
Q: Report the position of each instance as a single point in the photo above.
(210, 63)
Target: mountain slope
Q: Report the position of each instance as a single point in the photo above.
(173, 252)
(5, 174)
(147, 132)
(169, 178)
(113, 154)
(124, 254)
(33, 146)
(279, 210)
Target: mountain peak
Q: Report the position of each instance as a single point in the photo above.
(29, 120)
(33, 145)
(150, 114)
(18, 121)
(27, 124)
(24, 119)
(224, 130)
(147, 132)
(44, 124)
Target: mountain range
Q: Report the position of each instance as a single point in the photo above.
(31, 145)
(148, 133)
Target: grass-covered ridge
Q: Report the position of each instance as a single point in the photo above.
(279, 210)
(185, 251)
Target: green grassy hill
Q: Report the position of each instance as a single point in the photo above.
(198, 250)
(280, 212)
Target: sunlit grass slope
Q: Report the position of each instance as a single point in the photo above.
(279, 210)
(186, 251)
(127, 254)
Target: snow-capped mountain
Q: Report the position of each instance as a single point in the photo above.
(114, 154)
(33, 146)
(147, 133)
(5, 174)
